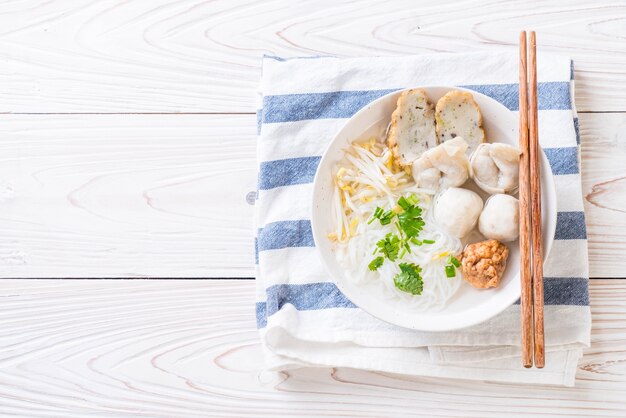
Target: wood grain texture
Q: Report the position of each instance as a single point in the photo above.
(204, 56)
(526, 282)
(189, 349)
(126, 195)
(603, 149)
(165, 195)
(130, 195)
(535, 204)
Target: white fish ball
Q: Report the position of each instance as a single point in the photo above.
(456, 211)
(500, 218)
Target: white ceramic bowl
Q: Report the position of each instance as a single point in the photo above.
(468, 306)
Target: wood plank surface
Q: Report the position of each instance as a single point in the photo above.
(76, 56)
(603, 150)
(165, 195)
(189, 348)
(126, 195)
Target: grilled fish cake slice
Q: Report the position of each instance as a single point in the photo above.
(412, 130)
(458, 114)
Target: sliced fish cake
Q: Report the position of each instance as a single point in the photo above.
(412, 129)
(458, 114)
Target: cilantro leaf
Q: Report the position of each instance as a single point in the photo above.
(376, 263)
(409, 279)
(411, 221)
(389, 246)
(409, 225)
(404, 204)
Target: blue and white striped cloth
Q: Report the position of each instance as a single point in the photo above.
(302, 317)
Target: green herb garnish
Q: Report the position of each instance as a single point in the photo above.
(409, 225)
(410, 219)
(451, 265)
(384, 217)
(376, 263)
(412, 199)
(450, 271)
(406, 248)
(409, 279)
(389, 246)
(404, 203)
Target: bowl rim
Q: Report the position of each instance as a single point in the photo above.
(318, 235)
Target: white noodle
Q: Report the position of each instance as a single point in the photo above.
(366, 181)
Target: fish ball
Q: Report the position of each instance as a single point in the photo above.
(456, 211)
(500, 218)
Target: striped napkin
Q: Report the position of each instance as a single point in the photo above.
(302, 317)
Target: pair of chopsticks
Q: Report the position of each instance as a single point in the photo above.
(530, 209)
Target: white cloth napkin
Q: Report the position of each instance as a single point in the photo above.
(302, 317)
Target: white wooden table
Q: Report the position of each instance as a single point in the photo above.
(127, 149)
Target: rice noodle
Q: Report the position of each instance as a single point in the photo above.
(367, 178)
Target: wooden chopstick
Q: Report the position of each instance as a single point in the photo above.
(526, 303)
(535, 205)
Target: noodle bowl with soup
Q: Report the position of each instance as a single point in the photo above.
(416, 216)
